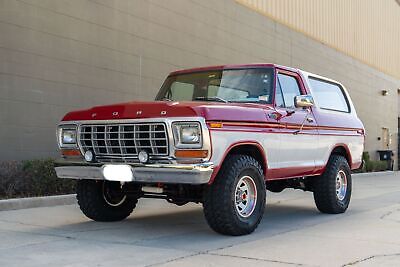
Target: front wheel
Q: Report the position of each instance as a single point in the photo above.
(104, 201)
(332, 190)
(234, 203)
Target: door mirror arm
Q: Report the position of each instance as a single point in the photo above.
(306, 118)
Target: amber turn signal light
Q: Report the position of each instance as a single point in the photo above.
(70, 152)
(191, 153)
(215, 124)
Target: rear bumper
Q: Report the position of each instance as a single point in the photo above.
(199, 173)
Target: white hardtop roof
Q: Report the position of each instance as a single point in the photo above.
(309, 74)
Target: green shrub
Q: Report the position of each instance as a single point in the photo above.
(368, 166)
(379, 165)
(32, 178)
(373, 165)
(365, 156)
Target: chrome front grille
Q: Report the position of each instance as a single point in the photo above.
(124, 141)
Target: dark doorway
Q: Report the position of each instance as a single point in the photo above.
(398, 143)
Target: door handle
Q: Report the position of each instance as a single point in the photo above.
(310, 120)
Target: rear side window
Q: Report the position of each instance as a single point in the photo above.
(329, 95)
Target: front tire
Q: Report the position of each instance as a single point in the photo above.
(234, 204)
(332, 190)
(104, 201)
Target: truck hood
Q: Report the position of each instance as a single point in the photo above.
(159, 109)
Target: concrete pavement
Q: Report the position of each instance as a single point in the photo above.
(292, 232)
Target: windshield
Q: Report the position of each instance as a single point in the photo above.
(232, 85)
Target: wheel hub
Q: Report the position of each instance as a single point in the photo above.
(245, 196)
(341, 185)
(112, 194)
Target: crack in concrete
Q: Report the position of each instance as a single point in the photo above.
(370, 258)
(33, 244)
(225, 255)
(258, 259)
(174, 259)
(53, 228)
(69, 235)
(22, 223)
(390, 213)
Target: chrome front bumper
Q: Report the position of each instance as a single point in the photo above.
(199, 173)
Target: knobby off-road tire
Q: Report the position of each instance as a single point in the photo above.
(329, 193)
(221, 209)
(101, 201)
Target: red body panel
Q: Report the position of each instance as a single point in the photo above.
(155, 109)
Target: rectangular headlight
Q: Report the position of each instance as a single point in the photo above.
(187, 134)
(67, 136)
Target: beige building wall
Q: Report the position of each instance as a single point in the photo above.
(368, 30)
(61, 55)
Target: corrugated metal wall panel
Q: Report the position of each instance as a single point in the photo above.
(368, 30)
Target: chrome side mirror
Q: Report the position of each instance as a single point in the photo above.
(303, 101)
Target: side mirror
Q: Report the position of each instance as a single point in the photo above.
(303, 101)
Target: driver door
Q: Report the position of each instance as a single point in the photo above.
(298, 143)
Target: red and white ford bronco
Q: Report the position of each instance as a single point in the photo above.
(219, 136)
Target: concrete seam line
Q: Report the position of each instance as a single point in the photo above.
(36, 202)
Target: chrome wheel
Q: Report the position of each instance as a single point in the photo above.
(113, 194)
(245, 196)
(341, 185)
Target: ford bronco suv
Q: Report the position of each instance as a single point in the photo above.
(219, 136)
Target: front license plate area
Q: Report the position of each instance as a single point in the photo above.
(119, 173)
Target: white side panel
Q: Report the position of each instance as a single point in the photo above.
(222, 140)
(327, 144)
(279, 148)
(298, 150)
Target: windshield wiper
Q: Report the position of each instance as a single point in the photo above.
(251, 101)
(211, 98)
(166, 99)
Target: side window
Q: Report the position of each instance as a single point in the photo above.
(279, 97)
(329, 95)
(182, 91)
(290, 89)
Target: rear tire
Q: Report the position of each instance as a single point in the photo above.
(234, 204)
(103, 201)
(332, 190)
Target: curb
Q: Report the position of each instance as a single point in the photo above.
(36, 202)
(368, 174)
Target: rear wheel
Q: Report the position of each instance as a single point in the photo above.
(332, 190)
(234, 203)
(104, 201)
